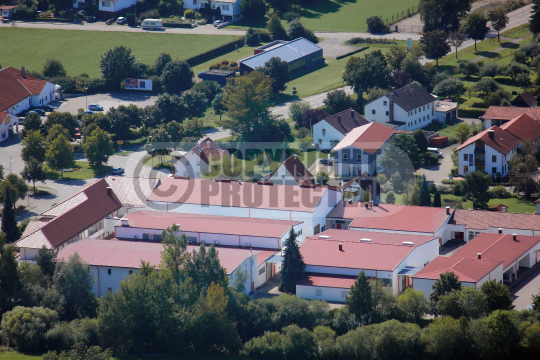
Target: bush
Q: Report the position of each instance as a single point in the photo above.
(25, 328)
(290, 16)
(359, 40)
(381, 179)
(303, 132)
(431, 159)
(224, 62)
(390, 198)
(150, 14)
(520, 57)
(264, 35)
(252, 37)
(189, 14)
(376, 25)
(458, 188)
(64, 335)
(233, 64)
(499, 192)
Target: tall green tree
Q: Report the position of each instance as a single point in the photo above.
(497, 296)
(195, 103)
(443, 14)
(16, 186)
(278, 71)
(205, 269)
(297, 30)
(53, 68)
(32, 121)
(370, 72)
(177, 76)
(9, 276)
(359, 300)
(437, 199)
(33, 171)
(498, 19)
(33, 146)
(463, 131)
(456, 39)
(293, 265)
(522, 174)
(60, 155)
(46, 261)
(337, 101)
(402, 154)
(253, 9)
(161, 61)
(116, 65)
(421, 140)
(174, 255)
(55, 131)
(443, 286)
(279, 5)
(66, 119)
(276, 29)
(476, 26)
(98, 147)
(476, 188)
(412, 305)
(534, 21)
(446, 338)
(10, 230)
(425, 196)
(435, 44)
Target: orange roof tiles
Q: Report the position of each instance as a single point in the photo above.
(375, 237)
(34, 87)
(509, 113)
(467, 270)
(327, 280)
(12, 91)
(483, 219)
(523, 127)
(369, 137)
(502, 141)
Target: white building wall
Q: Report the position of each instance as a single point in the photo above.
(114, 6)
(282, 176)
(466, 150)
(190, 165)
(46, 96)
(21, 106)
(327, 293)
(330, 139)
(415, 119)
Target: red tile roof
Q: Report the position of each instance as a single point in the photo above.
(34, 87)
(129, 254)
(75, 219)
(467, 270)
(524, 99)
(355, 255)
(503, 141)
(390, 217)
(327, 280)
(375, 237)
(369, 137)
(482, 220)
(364, 181)
(235, 194)
(210, 223)
(523, 127)
(206, 149)
(264, 255)
(500, 207)
(509, 113)
(498, 247)
(12, 90)
(295, 167)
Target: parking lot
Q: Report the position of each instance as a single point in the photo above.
(107, 100)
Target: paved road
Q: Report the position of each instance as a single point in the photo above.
(439, 172)
(527, 287)
(107, 100)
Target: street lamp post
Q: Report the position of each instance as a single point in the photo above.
(86, 92)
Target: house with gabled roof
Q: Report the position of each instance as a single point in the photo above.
(360, 150)
(354, 189)
(330, 131)
(409, 108)
(197, 161)
(7, 121)
(525, 99)
(498, 115)
(290, 172)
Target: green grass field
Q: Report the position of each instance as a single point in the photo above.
(80, 51)
(517, 32)
(341, 15)
(85, 172)
(484, 48)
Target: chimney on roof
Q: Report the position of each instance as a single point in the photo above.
(239, 182)
(109, 190)
(23, 72)
(500, 230)
(352, 114)
(491, 134)
(514, 237)
(350, 201)
(448, 210)
(340, 247)
(339, 119)
(479, 255)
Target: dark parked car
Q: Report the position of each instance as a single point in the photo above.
(91, 19)
(40, 112)
(327, 162)
(47, 108)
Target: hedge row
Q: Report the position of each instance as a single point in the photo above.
(178, 25)
(470, 112)
(219, 50)
(53, 20)
(351, 53)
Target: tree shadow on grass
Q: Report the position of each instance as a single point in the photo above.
(319, 7)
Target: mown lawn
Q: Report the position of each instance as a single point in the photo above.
(85, 171)
(235, 55)
(340, 15)
(444, 129)
(80, 51)
(517, 32)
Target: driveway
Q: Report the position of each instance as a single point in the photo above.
(440, 171)
(107, 100)
(527, 286)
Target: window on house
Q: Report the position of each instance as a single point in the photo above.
(465, 157)
(194, 2)
(198, 163)
(428, 106)
(385, 103)
(109, 271)
(465, 168)
(493, 158)
(428, 117)
(414, 122)
(493, 170)
(262, 270)
(130, 272)
(146, 236)
(324, 132)
(424, 118)
(318, 292)
(282, 177)
(344, 157)
(320, 141)
(415, 111)
(373, 111)
(424, 108)
(359, 158)
(388, 113)
(473, 234)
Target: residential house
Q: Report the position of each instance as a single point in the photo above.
(354, 189)
(408, 108)
(445, 111)
(230, 9)
(389, 218)
(524, 99)
(8, 11)
(498, 115)
(290, 172)
(263, 200)
(491, 150)
(330, 131)
(359, 151)
(20, 91)
(89, 213)
(108, 8)
(465, 225)
(6, 124)
(197, 161)
(470, 272)
(111, 261)
(334, 259)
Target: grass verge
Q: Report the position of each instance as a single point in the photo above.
(85, 171)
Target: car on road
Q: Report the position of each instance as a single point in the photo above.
(47, 108)
(21, 120)
(327, 162)
(121, 20)
(95, 107)
(40, 112)
(435, 151)
(117, 171)
(91, 19)
(89, 112)
(217, 23)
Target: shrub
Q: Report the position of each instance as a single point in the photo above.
(189, 14)
(233, 64)
(264, 35)
(25, 328)
(224, 67)
(224, 62)
(64, 335)
(431, 159)
(520, 57)
(150, 14)
(290, 16)
(359, 40)
(381, 179)
(303, 132)
(499, 192)
(376, 25)
(252, 37)
(234, 68)
(390, 198)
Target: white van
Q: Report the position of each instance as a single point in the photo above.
(152, 24)
(435, 151)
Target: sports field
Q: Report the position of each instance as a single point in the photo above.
(80, 51)
(341, 15)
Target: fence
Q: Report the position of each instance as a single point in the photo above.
(415, 29)
(402, 15)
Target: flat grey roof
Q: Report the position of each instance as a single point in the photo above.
(287, 52)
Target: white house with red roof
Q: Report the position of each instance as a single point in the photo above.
(331, 130)
(470, 272)
(360, 150)
(112, 261)
(230, 9)
(263, 200)
(334, 259)
(20, 91)
(290, 172)
(197, 161)
(389, 218)
(491, 150)
(7, 121)
(499, 115)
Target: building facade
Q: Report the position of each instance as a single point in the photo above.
(330, 131)
(230, 9)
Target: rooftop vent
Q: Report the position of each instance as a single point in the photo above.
(448, 210)
(491, 134)
(109, 190)
(340, 247)
(514, 237)
(479, 255)
(124, 222)
(500, 230)
(407, 243)
(366, 240)
(216, 242)
(324, 237)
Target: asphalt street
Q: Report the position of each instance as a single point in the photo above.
(107, 100)
(527, 287)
